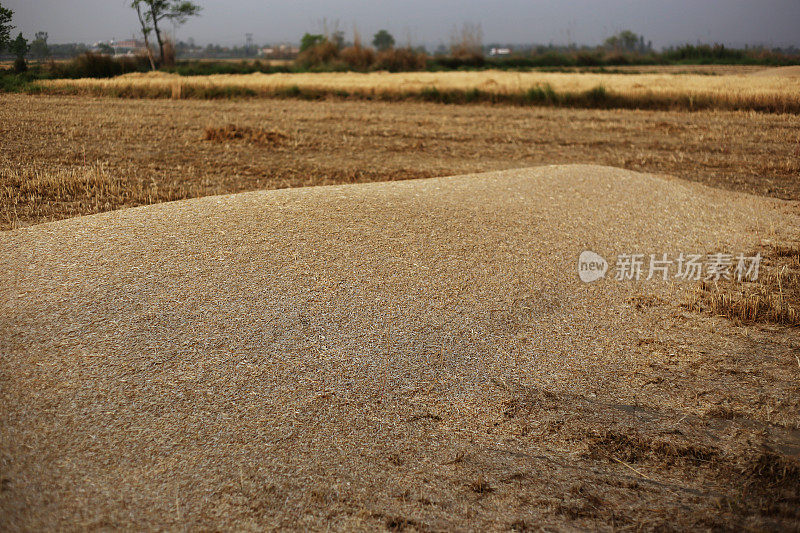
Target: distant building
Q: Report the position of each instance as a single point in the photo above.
(128, 47)
(280, 51)
(500, 51)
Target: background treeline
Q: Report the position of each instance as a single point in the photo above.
(332, 52)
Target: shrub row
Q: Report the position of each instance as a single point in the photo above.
(327, 56)
(91, 65)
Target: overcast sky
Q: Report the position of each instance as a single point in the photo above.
(771, 22)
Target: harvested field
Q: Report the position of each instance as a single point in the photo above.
(785, 72)
(594, 90)
(68, 156)
(415, 355)
(232, 132)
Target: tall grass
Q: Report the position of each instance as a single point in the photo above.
(168, 60)
(641, 91)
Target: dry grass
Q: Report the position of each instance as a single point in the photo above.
(31, 192)
(649, 91)
(152, 150)
(774, 297)
(232, 132)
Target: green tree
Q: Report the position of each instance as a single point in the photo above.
(383, 40)
(19, 47)
(310, 41)
(5, 27)
(627, 41)
(106, 49)
(39, 48)
(153, 12)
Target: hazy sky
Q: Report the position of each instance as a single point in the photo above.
(771, 22)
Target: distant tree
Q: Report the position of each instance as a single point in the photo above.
(106, 49)
(383, 40)
(627, 41)
(337, 38)
(467, 42)
(310, 41)
(153, 12)
(19, 47)
(39, 48)
(5, 27)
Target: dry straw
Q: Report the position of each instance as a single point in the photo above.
(762, 93)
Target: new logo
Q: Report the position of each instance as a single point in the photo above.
(591, 266)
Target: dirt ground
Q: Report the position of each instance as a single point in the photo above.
(92, 155)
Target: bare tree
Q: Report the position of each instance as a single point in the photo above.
(467, 42)
(153, 12)
(146, 29)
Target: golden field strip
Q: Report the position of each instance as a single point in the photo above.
(780, 94)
